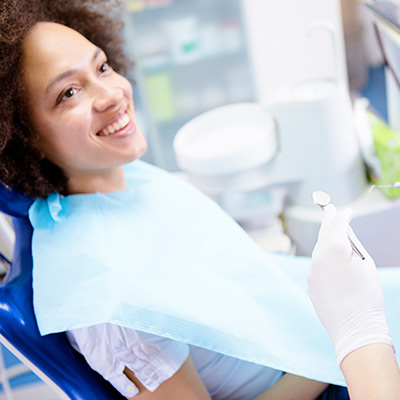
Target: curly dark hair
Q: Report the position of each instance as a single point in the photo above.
(21, 165)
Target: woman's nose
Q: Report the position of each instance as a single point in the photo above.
(107, 96)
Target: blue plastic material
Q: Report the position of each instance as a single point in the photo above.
(52, 354)
(13, 203)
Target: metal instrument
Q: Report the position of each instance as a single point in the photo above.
(322, 199)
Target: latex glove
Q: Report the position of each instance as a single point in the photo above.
(344, 289)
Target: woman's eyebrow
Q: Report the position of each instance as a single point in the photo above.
(70, 72)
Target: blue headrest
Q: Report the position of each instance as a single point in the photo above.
(14, 203)
(52, 354)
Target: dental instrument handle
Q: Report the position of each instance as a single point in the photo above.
(356, 249)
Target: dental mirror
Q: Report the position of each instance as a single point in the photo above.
(322, 199)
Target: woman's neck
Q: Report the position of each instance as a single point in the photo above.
(103, 181)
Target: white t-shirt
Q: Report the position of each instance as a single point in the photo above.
(108, 349)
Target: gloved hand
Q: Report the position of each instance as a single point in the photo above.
(344, 289)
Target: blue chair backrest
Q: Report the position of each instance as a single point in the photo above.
(51, 354)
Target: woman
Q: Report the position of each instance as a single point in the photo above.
(68, 129)
(347, 296)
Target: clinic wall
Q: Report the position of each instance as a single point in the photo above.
(281, 50)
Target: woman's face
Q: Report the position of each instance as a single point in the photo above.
(81, 109)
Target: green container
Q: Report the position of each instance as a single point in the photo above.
(387, 147)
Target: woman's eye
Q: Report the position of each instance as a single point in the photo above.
(66, 95)
(69, 92)
(104, 67)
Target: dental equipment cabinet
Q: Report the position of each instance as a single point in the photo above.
(287, 129)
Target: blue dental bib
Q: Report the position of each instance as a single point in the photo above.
(163, 258)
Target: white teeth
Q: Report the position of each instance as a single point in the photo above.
(116, 126)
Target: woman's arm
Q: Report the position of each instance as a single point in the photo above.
(291, 387)
(184, 384)
(372, 373)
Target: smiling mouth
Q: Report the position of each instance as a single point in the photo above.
(115, 126)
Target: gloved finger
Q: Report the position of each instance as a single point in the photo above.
(328, 217)
(339, 229)
(334, 229)
(341, 221)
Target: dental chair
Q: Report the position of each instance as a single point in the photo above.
(51, 357)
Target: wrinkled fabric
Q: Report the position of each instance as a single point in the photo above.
(153, 359)
(163, 258)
